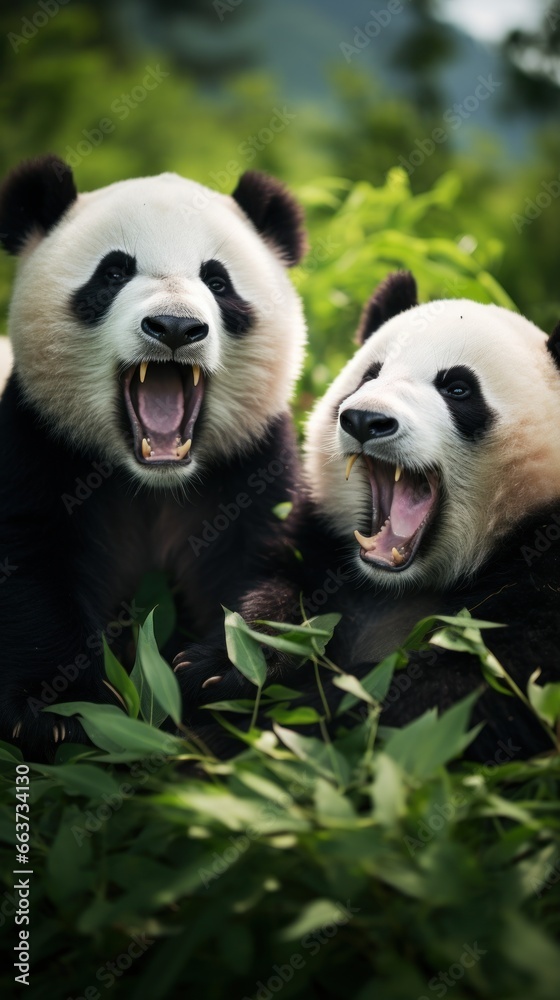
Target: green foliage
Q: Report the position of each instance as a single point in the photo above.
(358, 863)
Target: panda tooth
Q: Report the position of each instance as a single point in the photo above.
(398, 473)
(398, 558)
(146, 450)
(143, 370)
(349, 465)
(367, 543)
(184, 449)
(196, 373)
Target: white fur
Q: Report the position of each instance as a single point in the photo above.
(171, 225)
(490, 484)
(6, 361)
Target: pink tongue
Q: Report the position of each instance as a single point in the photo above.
(409, 509)
(161, 403)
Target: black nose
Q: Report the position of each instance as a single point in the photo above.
(174, 331)
(365, 425)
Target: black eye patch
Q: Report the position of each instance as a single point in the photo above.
(465, 400)
(372, 372)
(237, 314)
(91, 302)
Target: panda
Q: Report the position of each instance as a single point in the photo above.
(145, 427)
(432, 484)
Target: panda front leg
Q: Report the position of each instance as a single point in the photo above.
(48, 655)
(50, 649)
(204, 670)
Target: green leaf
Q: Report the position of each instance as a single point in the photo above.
(155, 592)
(333, 808)
(85, 779)
(423, 746)
(120, 680)
(388, 790)
(242, 705)
(376, 683)
(304, 630)
(110, 729)
(350, 683)
(160, 694)
(283, 510)
(545, 699)
(294, 716)
(243, 647)
(277, 692)
(314, 915)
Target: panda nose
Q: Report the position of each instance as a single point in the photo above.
(363, 425)
(174, 331)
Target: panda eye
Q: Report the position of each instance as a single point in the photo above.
(456, 390)
(115, 275)
(216, 284)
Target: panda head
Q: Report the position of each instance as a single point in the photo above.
(437, 438)
(153, 321)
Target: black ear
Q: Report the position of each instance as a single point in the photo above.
(553, 345)
(393, 296)
(274, 213)
(33, 197)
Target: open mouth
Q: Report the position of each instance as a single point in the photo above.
(163, 401)
(404, 504)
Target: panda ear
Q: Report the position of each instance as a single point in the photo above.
(33, 197)
(393, 296)
(553, 345)
(274, 213)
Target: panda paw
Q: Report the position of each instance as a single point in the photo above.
(205, 674)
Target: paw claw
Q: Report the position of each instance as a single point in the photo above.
(17, 729)
(212, 680)
(179, 666)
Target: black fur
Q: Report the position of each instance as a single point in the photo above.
(236, 313)
(393, 296)
(92, 301)
(72, 568)
(554, 344)
(470, 412)
(33, 198)
(274, 212)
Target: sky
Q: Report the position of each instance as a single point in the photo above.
(491, 20)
